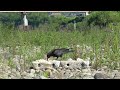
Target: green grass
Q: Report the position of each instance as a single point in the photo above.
(35, 44)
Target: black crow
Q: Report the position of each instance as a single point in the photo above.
(58, 52)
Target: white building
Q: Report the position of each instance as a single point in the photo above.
(69, 13)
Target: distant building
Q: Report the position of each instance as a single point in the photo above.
(69, 13)
(55, 13)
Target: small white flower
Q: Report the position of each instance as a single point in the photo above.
(78, 46)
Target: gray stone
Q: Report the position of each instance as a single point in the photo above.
(41, 64)
(98, 76)
(55, 63)
(117, 75)
(32, 71)
(86, 70)
(84, 63)
(71, 64)
(101, 76)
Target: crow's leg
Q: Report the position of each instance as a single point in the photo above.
(61, 56)
(47, 59)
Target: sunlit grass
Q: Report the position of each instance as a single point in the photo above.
(35, 44)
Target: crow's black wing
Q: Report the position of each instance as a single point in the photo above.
(58, 52)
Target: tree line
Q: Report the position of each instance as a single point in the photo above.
(41, 19)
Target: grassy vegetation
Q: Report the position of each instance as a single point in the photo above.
(35, 44)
